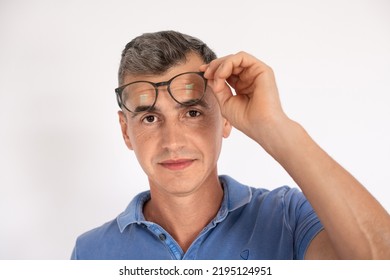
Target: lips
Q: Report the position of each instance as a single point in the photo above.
(176, 164)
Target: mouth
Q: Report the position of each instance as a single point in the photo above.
(176, 164)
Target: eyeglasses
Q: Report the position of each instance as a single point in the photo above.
(186, 89)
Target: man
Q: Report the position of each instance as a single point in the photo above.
(176, 108)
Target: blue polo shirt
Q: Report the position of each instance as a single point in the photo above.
(252, 223)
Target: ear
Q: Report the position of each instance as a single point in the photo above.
(123, 123)
(227, 128)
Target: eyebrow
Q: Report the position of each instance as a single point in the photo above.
(141, 109)
(154, 109)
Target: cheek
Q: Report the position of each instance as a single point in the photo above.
(210, 135)
(144, 154)
(143, 143)
(140, 137)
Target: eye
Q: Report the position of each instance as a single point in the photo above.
(150, 119)
(193, 113)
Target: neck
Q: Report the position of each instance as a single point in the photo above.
(184, 216)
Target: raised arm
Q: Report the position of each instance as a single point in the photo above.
(356, 225)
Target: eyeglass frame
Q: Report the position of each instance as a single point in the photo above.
(120, 89)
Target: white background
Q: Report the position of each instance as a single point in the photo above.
(64, 168)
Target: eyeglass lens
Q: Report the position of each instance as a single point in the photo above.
(186, 89)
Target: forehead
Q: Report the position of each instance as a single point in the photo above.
(191, 64)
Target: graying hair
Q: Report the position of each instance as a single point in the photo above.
(155, 53)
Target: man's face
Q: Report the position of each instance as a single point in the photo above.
(177, 146)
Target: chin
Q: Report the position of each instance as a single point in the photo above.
(179, 184)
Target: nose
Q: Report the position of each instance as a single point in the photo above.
(173, 136)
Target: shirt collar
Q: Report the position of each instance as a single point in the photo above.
(235, 196)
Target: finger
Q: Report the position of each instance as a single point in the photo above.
(220, 68)
(217, 84)
(222, 95)
(232, 81)
(223, 67)
(203, 67)
(233, 65)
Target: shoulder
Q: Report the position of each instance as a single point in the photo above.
(277, 218)
(105, 240)
(89, 243)
(100, 232)
(240, 194)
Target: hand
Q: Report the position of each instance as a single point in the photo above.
(255, 107)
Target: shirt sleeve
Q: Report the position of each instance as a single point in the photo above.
(302, 221)
(74, 254)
